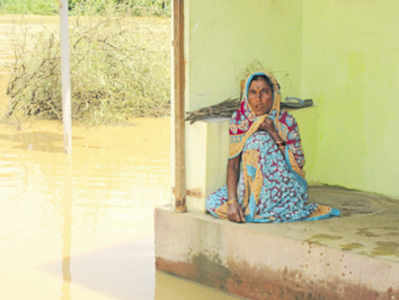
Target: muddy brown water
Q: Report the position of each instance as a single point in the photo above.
(82, 228)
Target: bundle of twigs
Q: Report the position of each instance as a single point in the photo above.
(226, 108)
(221, 110)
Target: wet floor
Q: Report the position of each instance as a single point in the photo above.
(82, 228)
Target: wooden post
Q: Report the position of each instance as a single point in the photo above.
(179, 88)
(65, 77)
(67, 121)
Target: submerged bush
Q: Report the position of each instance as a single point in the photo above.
(120, 68)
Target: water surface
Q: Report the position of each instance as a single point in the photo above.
(82, 228)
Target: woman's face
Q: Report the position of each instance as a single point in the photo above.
(260, 97)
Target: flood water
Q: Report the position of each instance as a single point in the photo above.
(82, 228)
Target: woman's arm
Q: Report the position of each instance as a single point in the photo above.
(233, 169)
(234, 212)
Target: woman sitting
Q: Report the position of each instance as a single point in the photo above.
(265, 180)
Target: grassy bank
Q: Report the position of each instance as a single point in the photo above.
(37, 7)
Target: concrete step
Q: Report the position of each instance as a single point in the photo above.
(355, 256)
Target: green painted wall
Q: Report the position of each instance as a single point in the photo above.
(343, 54)
(225, 36)
(350, 55)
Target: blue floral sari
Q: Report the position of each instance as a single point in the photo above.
(271, 186)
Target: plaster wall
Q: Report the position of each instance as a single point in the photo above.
(226, 36)
(206, 160)
(350, 67)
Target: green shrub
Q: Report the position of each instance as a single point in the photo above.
(43, 7)
(147, 7)
(120, 68)
(90, 7)
(133, 7)
(85, 7)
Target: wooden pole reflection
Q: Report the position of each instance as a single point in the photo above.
(66, 233)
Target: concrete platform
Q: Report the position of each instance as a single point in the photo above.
(355, 256)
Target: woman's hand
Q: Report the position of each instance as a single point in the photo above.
(234, 212)
(268, 125)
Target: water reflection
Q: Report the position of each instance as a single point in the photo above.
(66, 234)
(66, 273)
(169, 287)
(35, 141)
